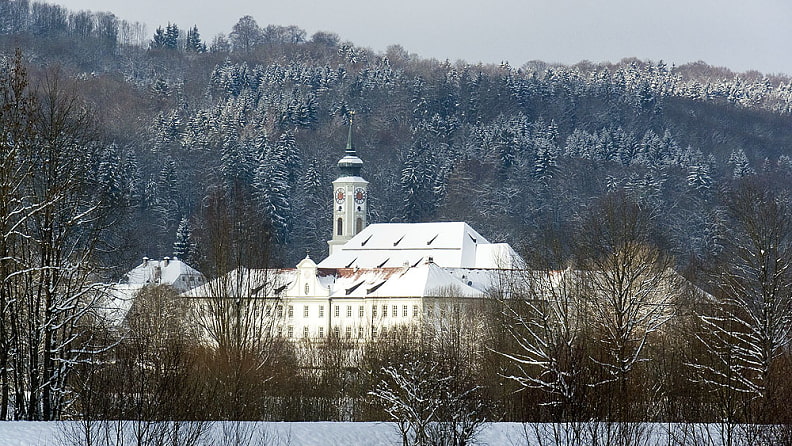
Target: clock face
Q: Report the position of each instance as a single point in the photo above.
(360, 195)
(339, 195)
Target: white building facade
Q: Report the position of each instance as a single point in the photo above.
(376, 277)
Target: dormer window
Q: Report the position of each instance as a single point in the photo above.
(307, 289)
(351, 289)
(398, 241)
(375, 287)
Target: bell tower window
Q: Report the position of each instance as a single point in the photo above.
(358, 225)
(340, 225)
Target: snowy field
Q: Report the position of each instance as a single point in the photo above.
(34, 433)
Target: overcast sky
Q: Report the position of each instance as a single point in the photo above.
(738, 34)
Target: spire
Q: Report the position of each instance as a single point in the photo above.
(350, 164)
(349, 149)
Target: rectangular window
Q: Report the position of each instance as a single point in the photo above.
(336, 332)
(395, 311)
(279, 311)
(404, 311)
(321, 332)
(291, 310)
(415, 310)
(374, 311)
(384, 311)
(336, 311)
(360, 332)
(267, 311)
(305, 310)
(361, 311)
(349, 310)
(305, 332)
(321, 310)
(348, 332)
(290, 332)
(373, 332)
(280, 332)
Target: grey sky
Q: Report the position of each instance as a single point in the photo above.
(738, 34)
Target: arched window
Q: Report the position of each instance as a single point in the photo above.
(340, 227)
(358, 225)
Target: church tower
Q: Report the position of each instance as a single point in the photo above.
(350, 198)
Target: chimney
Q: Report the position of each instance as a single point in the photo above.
(429, 260)
(165, 261)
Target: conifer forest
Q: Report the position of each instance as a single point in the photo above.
(120, 142)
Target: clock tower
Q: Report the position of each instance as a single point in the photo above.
(350, 198)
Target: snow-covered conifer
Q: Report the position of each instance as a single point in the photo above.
(183, 247)
(739, 162)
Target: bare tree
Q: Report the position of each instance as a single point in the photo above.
(545, 315)
(239, 309)
(430, 384)
(425, 405)
(246, 34)
(51, 231)
(631, 290)
(16, 110)
(746, 324)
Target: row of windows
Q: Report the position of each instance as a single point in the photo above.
(395, 311)
(361, 311)
(348, 332)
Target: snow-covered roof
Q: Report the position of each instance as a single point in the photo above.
(424, 280)
(243, 282)
(448, 244)
(163, 272)
(118, 297)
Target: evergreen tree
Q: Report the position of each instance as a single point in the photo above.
(109, 175)
(271, 189)
(132, 182)
(698, 177)
(545, 163)
(183, 247)
(418, 184)
(165, 205)
(193, 43)
(739, 162)
(172, 36)
(167, 38)
(159, 40)
(287, 146)
(238, 160)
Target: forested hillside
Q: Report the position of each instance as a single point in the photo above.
(519, 152)
(661, 192)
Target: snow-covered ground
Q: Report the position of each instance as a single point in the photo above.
(34, 433)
